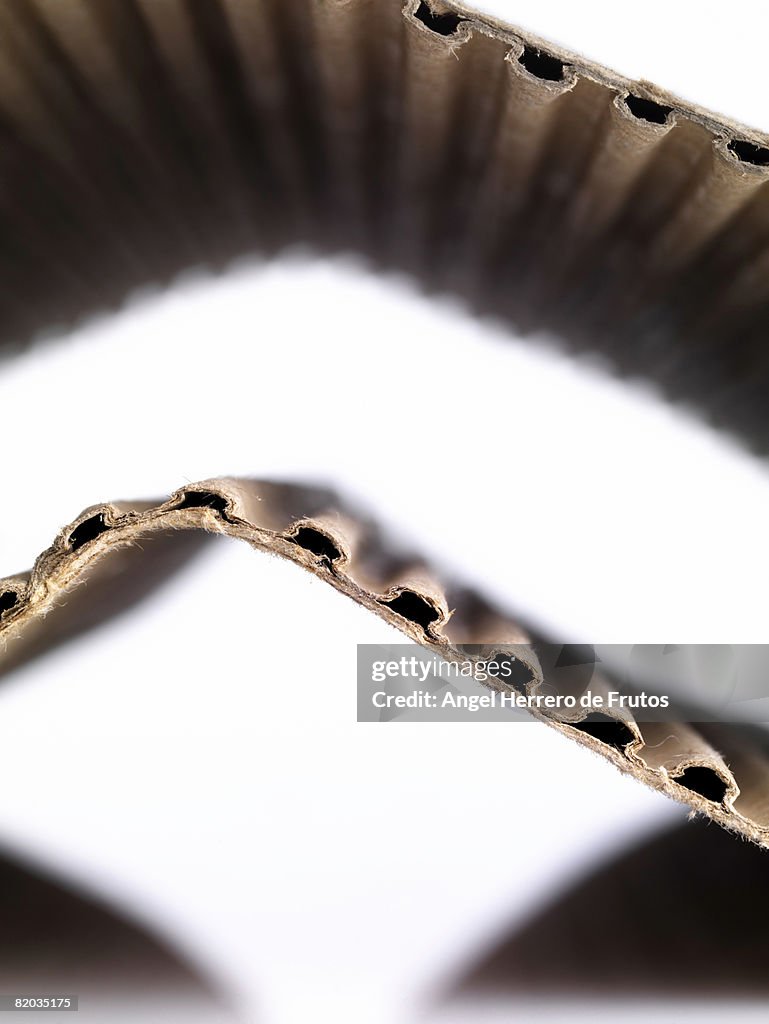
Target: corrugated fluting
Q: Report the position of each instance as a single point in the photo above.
(315, 529)
(140, 138)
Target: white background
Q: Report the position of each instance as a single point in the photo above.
(191, 763)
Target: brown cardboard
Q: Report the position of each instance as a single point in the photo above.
(141, 139)
(312, 528)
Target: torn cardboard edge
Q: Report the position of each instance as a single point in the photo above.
(316, 531)
(539, 187)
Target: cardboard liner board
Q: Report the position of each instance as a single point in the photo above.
(312, 528)
(141, 138)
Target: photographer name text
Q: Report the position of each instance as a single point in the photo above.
(548, 702)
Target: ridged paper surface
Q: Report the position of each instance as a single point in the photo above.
(313, 528)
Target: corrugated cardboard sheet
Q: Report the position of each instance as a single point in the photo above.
(144, 137)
